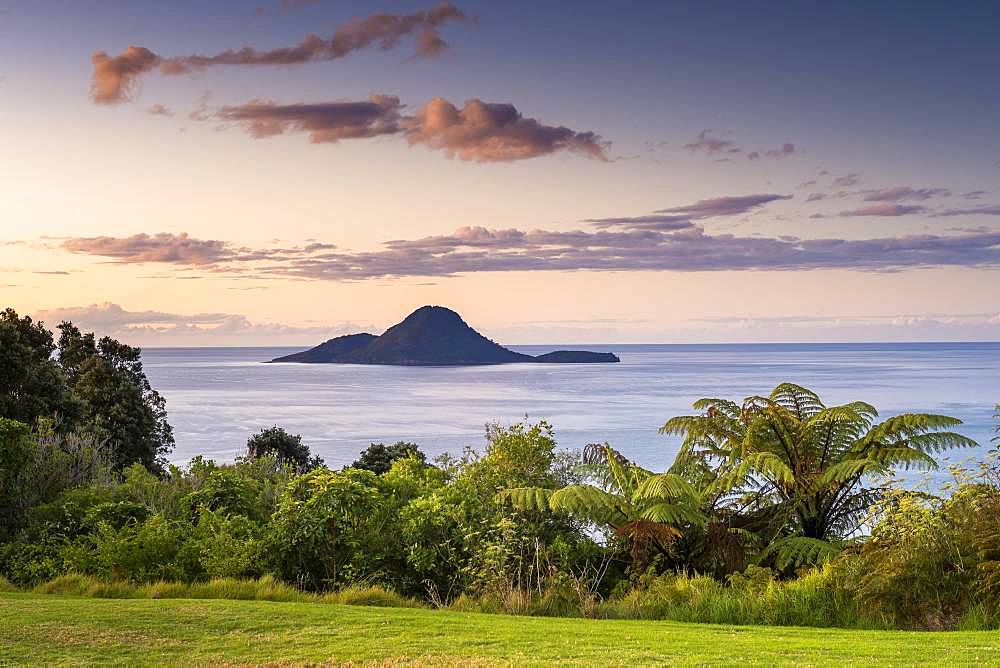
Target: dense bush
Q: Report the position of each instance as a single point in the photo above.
(520, 528)
(931, 563)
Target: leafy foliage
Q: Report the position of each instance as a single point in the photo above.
(35, 467)
(649, 511)
(518, 527)
(930, 560)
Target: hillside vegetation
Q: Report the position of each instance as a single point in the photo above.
(779, 509)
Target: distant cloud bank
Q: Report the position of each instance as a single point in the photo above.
(166, 328)
(668, 240)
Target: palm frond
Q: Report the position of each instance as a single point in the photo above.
(644, 531)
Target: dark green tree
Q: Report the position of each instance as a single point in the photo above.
(378, 457)
(114, 398)
(287, 449)
(31, 383)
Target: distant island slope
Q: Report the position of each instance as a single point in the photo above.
(430, 336)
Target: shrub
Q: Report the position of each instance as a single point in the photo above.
(138, 553)
(71, 584)
(372, 595)
(331, 527)
(226, 546)
(754, 597)
(287, 449)
(930, 562)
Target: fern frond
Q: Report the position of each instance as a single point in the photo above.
(796, 551)
(591, 503)
(673, 514)
(665, 486)
(843, 471)
(527, 498)
(798, 400)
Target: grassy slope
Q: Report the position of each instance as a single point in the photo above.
(52, 629)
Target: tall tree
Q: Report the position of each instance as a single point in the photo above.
(31, 383)
(115, 399)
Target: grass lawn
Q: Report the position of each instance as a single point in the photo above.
(39, 629)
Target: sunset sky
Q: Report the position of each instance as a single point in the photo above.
(278, 172)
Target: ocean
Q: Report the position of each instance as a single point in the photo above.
(217, 397)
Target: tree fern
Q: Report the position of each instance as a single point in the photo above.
(804, 468)
(647, 510)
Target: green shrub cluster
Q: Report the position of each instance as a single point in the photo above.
(420, 530)
(773, 514)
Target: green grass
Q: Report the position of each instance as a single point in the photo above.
(47, 629)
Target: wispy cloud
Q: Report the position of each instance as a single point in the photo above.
(847, 180)
(162, 247)
(713, 145)
(974, 194)
(479, 131)
(884, 209)
(159, 110)
(324, 122)
(724, 206)
(786, 150)
(973, 211)
(902, 193)
(116, 77)
(680, 217)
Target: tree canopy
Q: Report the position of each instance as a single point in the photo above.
(378, 457)
(85, 384)
(32, 384)
(287, 449)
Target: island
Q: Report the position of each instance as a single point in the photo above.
(431, 336)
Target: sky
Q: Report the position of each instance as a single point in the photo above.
(277, 172)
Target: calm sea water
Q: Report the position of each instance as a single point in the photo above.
(216, 397)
